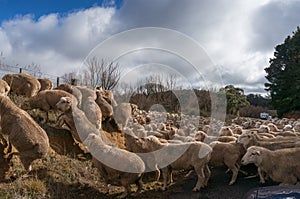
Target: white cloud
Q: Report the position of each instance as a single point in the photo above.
(239, 36)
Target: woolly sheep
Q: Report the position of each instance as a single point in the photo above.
(22, 84)
(4, 87)
(286, 162)
(117, 166)
(194, 154)
(46, 84)
(23, 132)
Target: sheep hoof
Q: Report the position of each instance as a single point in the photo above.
(231, 183)
(262, 182)
(196, 189)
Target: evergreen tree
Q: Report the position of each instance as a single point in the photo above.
(283, 75)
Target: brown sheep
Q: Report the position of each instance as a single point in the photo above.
(226, 131)
(4, 87)
(106, 108)
(229, 154)
(23, 132)
(5, 156)
(22, 84)
(117, 166)
(122, 114)
(281, 166)
(45, 100)
(108, 96)
(75, 119)
(72, 90)
(195, 155)
(46, 84)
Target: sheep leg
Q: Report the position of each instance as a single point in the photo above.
(139, 184)
(201, 177)
(235, 171)
(261, 176)
(207, 174)
(157, 171)
(165, 177)
(170, 176)
(189, 174)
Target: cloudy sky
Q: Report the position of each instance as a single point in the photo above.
(236, 37)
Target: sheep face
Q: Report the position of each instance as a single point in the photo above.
(151, 142)
(245, 138)
(253, 155)
(64, 104)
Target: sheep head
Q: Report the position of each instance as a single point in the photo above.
(245, 138)
(253, 155)
(64, 104)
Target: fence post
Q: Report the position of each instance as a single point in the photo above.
(57, 81)
(20, 70)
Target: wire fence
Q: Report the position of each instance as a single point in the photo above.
(7, 69)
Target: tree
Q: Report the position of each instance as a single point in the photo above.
(283, 75)
(236, 99)
(105, 74)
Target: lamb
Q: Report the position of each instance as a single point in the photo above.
(4, 87)
(117, 166)
(23, 132)
(46, 84)
(229, 154)
(107, 95)
(75, 119)
(45, 100)
(5, 156)
(72, 90)
(92, 111)
(194, 155)
(282, 165)
(22, 84)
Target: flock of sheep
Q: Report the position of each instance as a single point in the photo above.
(155, 141)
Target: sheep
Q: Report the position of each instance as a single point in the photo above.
(134, 144)
(86, 92)
(107, 95)
(46, 84)
(251, 138)
(92, 111)
(5, 156)
(194, 155)
(22, 84)
(226, 131)
(23, 132)
(281, 166)
(117, 166)
(4, 87)
(229, 154)
(45, 100)
(122, 114)
(106, 108)
(72, 90)
(273, 127)
(75, 119)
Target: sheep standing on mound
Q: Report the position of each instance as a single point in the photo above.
(282, 165)
(75, 119)
(22, 84)
(125, 167)
(72, 90)
(4, 87)
(46, 84)
(92, 111)
(23, 132)
(45, 101)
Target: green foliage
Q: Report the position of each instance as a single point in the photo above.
(236, 99)
(283, 75)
